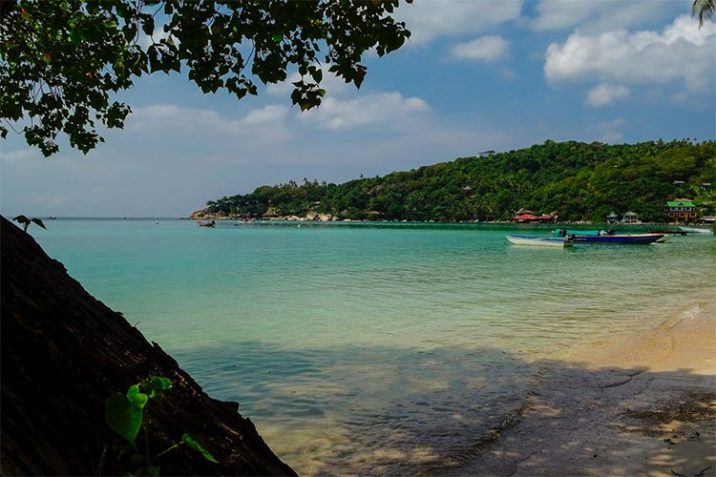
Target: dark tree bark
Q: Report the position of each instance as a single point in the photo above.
(63, 353)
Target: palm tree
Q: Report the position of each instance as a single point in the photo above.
(703, 9)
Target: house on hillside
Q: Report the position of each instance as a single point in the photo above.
(681, 210)
(525, 216)
(630, 218)
(612, 218)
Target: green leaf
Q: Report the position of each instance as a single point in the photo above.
(137, 398)
(156, 385)
(48, 43)
(191, 442)
(148, 26)
(75, 36)
(153, 470)
(153, 56)
(122, 417)
(24, 221)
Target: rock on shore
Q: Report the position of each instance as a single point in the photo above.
(64, 353)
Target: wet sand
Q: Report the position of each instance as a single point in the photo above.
(636, 405)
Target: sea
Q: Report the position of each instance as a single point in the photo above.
(375, 348)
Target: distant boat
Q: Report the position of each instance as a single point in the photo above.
(619, 238)
(210, 223)
(555, 242)
(696, 230)
(566, 232)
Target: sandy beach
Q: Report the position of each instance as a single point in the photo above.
(637, 405)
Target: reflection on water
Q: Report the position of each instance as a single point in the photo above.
(367, 410)
(387, 350)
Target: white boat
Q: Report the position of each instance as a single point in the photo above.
(554, 242)
(696, 230)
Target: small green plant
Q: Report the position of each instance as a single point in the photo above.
(25, 222)
(124, 413)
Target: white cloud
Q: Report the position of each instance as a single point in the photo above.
(486, 48)
(508, 74)
(606, 93)
(381, 108)
(172, 116)
(596, 16)
(270, 114)
(429, 20)
(330, 82)
(266, 123)
(271, 123)
(682, 52)
(558, 14)
(611, 131)
(20, 155)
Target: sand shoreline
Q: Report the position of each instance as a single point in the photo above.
(643, 404)
(685, 341)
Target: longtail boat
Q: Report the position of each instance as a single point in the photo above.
(618, 238)
(555, 242)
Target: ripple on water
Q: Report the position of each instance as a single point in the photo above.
(368, 350)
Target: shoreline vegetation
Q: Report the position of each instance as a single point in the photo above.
(309, 220)
(578, 182)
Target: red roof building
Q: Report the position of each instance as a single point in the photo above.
(530, 218)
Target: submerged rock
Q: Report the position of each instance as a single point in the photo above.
(63, 353)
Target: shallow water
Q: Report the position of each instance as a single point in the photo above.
(381, 349)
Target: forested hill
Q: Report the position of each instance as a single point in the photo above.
(579, 181)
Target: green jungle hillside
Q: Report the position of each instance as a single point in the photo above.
(579, 181)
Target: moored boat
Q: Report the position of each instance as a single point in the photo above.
(567, 232)
(619, 238)
(555, 242)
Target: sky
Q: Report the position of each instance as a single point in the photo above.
(476, 75)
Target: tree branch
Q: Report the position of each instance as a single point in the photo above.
(6, 6)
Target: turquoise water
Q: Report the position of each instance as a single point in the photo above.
(381, 349)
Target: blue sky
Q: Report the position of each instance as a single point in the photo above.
(475, 75)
